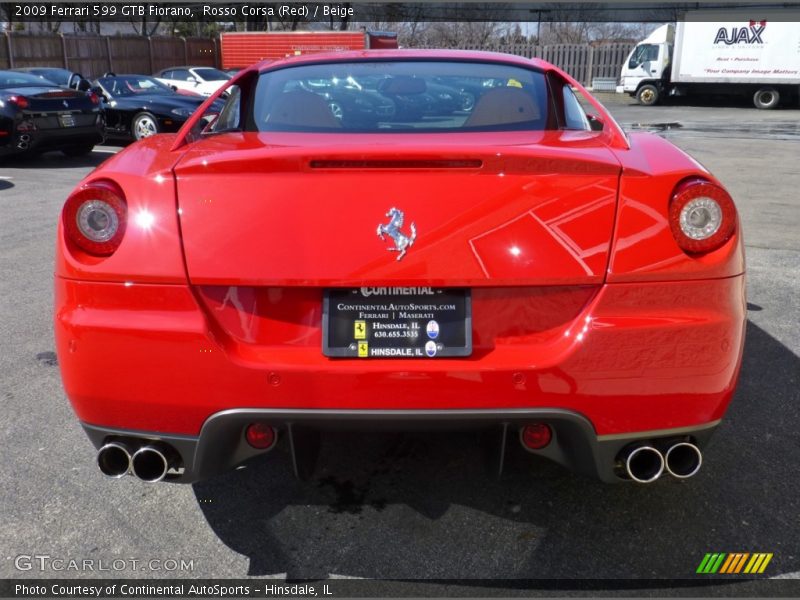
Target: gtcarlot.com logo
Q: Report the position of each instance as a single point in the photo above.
(45, 562)
(734, 563)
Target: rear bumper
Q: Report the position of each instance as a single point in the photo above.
(637, 361)
(40, 140)
(221, 445)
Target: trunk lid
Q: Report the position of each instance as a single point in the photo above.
(48, 99)
(306, 209)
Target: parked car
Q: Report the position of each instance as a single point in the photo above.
(37, 115)
(138, 106)
(523, 268)
(444, 99)
(407, 92)
(62, 77)
(349, 102)
(202, 80)
(471, 88)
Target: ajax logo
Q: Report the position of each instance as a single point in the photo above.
(430, 348)
(432, 329)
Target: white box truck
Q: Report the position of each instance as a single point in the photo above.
(701, 54)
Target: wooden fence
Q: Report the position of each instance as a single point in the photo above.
(583, 61)
(93, 55)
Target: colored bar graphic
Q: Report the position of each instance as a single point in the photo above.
(733, 563)
(751, 564)
(704, 564)
(716, 565)
(711, 563)
(765, 563)
(741, 562)
(732, 558)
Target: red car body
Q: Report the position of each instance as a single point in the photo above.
(590, 324)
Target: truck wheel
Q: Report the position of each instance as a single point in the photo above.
(766, 98)
(647, 95)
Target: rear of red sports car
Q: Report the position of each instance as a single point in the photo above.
(516, 265)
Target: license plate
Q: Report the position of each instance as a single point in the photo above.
(67, 120)
(397, 322)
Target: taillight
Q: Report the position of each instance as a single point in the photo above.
(20, 101)
(93, 97)
(95, 218)
(702, 216)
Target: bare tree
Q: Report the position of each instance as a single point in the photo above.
(145, 26)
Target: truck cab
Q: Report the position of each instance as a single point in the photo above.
(647, 67)
(749, 55)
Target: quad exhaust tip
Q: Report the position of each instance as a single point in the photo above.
(643, 464)
(114, 460)
(150, 464)
(683, 460)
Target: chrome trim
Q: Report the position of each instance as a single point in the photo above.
(113, 447)
(636, 451)
(141, 454)
(691, 473)
(658, 432)
(402, 414)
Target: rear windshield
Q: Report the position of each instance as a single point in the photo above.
(402, 96)
(212, 74)
(14, 79)
(131, 85)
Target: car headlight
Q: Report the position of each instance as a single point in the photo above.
(181, 112)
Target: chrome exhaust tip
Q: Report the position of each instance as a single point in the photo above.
(683, 460)
(150, 464)
(114, 460)
(643, 464)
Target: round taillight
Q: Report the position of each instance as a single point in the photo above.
(20, 101)
(702, 216)
(536, 436)
(260, 436)
(95, 218)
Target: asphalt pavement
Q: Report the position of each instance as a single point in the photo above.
(418, 506)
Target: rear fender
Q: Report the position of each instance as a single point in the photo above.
(643, 248)
(151, 250)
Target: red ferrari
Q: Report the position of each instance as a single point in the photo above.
(336, 250)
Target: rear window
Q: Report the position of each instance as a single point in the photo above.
(13, 79)
(402, 96)
(212, 74)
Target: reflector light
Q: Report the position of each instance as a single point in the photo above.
(536, 436)
(95, 218)
(702, 216)
(20, 101)
(260, 436)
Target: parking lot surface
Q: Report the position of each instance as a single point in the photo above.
(418, 506)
